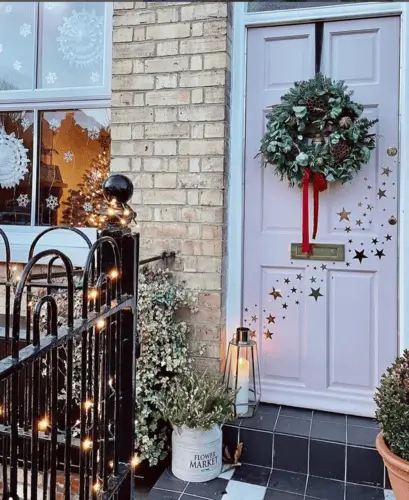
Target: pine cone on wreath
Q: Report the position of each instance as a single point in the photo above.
(292, 154)
(340, 151)
(314, 104)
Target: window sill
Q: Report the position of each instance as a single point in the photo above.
(21, 238)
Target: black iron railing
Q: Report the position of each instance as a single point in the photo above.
(67, 387)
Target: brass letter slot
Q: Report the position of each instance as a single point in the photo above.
(320, 251)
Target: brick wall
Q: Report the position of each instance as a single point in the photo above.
(170, 107)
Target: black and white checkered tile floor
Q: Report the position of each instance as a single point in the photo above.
(250, 482)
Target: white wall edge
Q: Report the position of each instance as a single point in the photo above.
(235, 210)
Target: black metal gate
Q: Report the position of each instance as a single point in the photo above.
(67, 372)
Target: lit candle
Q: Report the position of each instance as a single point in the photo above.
(242, 397)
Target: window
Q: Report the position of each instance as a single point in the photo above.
(297, 4)
(55, 72)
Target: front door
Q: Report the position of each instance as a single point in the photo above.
(331, 330)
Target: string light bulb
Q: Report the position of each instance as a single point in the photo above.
(114, 274)
(123, 222)
(88, 405)
(93, 294)
(135, 461)
(96, 487)
(101, 324)
(87, 444)
(43, 424)
(111, 464)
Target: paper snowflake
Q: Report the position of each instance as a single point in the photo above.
(17, 65)
(68, 156)
(93, 133)
(13, 160)
(54, 124)
(23, 200)
(25, 30)
(8, 8)
(25, 123)
(95, 77)
(81, 38)
(51, 78)
(87, 207)
(49, 5)
(52, 202)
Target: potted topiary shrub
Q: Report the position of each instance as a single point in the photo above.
(197, 405)
(392, 400)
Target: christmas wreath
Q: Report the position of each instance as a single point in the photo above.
(317, 135)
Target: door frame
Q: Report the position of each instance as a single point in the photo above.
(242, 21)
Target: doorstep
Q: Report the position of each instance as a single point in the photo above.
(316, 443)
(250, 482)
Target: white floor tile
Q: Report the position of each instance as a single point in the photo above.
(228, 475)
(237, 490)
(389, 495)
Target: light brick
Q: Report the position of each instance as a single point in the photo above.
(201, 147)
(215, 61)
(121, 66)
(167, 114)
(168, 31)
(164, 197)
(167, 15)
(196, 63)
(121, 132)
(120, 99)
(134, 18)
(125, 148)
(165, 148)
(202, 113)
(202, 45)
(167, 97)
(165, 180)
(170, 130)
(204, 11)
(166, 81)
(120, 164)
(197, 29)
(133, 82)
(203, 78)
(213, 130)
(123, 5)
(139, 34)
(122, 35)
(134, 49)
(215, 95)
(133, 115)
(197, 96)
(167, 64)
(215, 28)
(168, 48)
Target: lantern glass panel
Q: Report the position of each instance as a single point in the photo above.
(242, 374)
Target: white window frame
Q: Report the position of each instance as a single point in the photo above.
(37, 100)
(242, 21)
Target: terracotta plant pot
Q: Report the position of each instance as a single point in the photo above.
(397, 467)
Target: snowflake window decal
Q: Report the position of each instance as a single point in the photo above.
(95, 77)
(8, 8)
(17, 65)
(81, 39)
(49, 5)
(25, 123)
(93, 132)
(87, 207)
(54, 124)
(13, 160)
(51, 78)
(23, 200)
(68, 156)
(52, 202)
(25, 30)
(1, 48)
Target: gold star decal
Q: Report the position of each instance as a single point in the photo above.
(254, 318)
(268, 334)
(343, 215)
(275, 293)
(386, 171)
(252, 334)
(271, 319)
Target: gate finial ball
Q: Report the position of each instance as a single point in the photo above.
(117, 187)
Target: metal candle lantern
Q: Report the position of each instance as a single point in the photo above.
(242, 373)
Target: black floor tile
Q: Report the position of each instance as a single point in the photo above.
(362, 421)
(291, 453)
(355, 492)
(291, 482)
(168, 481)
(289, 411)
(212, 490)
(328, 431)
(362, 436)
(324, 416)
(327, 460)
(364, 466)
(262, 421)
(252, 474)
(325, 489)
(293, 426)
(281, 495)
(163, 495)
(257, 447)
(268, 408)
(230, 439)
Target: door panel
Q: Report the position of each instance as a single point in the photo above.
(322, 329)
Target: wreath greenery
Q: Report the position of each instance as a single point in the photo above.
(317, 125)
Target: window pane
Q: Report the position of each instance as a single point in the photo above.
(298, 4)
(71, 44)
(17, 31)
(16, 156)
(75, 155)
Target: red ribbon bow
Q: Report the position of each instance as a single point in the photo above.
(319, 184)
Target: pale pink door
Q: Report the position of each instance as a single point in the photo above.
(326, 330)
